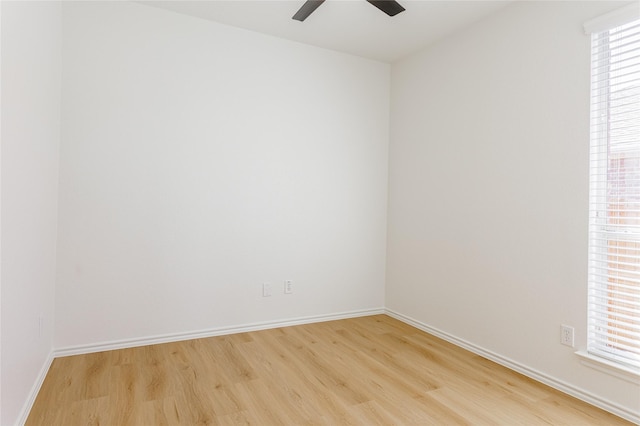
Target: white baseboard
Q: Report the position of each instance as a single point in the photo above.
(31, 398)
(130, 343)
(511, 364)
(167, 338)
(523, 369)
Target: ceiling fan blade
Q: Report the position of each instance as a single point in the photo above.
(307, 9)
(390, 7)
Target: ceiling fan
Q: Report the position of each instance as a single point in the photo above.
(390, 7)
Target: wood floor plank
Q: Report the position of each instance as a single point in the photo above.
(361, 371)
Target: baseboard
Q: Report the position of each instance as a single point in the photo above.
(167, 338)
(31, 398)
(523, 369)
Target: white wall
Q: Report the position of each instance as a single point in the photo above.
(488, 198)
(31, 56)
(198, 161)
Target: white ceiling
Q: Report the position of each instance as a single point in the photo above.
(351, 26)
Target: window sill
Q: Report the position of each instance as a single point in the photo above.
(625, 373)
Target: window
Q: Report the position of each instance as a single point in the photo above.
(614, 195)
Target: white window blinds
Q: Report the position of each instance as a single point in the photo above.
(614, 203)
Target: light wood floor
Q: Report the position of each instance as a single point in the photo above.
(364, 371)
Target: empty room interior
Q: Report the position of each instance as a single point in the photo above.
(353, 202)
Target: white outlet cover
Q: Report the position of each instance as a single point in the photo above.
(266, 289)
(567, 335)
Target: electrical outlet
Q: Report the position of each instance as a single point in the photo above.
(288, 287)
(566, 335)
(266, 289)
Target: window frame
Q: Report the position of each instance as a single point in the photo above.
(599, 219)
